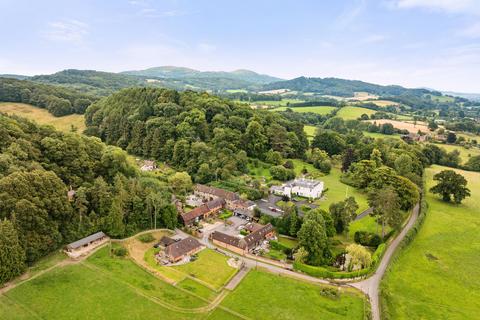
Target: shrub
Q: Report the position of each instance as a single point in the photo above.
(146, 238)
(120, 251)
(278, 246)
(378, 254)
(330, 293)
(367, 239)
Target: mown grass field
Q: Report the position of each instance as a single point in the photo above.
(210, 267)
(263, 295)
(465, 153)
(323, 110)
(381, 135)
(107, 287)
(353, 113)
(437, 275)
(42, 116)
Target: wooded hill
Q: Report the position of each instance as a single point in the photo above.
(206, 136)
(39, 165)
(57, 100)
(342, 87)
(187, 73)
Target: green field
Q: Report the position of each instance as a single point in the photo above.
(310, 131)
(353, 113)
(42, 116)
(107, 287)
(381, 135)
(323, 110)
(262, 295)
(210, 267)
(465, 153)
(437, 275)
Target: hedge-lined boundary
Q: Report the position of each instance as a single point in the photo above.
(411, 234)
(321, 272)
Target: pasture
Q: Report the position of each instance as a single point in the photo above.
(378, 135)
(465, 153)
(411, 127)
(322, 110)
(383, 103)
(437, 275)
(42, 116)
(107, 287)
(263, 295)
(353, 113)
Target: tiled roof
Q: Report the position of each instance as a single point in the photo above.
(182, 247)
(203, 209)
(227, 195)
(93, 237)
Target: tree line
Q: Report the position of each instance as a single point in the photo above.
(208, 137)
(58, 187)
(57, 100)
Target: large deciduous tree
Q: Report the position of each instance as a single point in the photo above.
(451, 184)
(313, 237)
(386, 207)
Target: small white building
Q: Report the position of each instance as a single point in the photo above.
(306, 188)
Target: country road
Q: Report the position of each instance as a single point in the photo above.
(371, 285)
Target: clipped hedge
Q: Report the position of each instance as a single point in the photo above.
(321, 272)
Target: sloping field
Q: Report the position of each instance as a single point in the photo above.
(437, 275)
(383, 103)
(314, 109)
(263, 295)
(353, 113)
(42, 116)
(411, 127)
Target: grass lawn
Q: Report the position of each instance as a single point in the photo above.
(323, 110)
(78, 292)
(437, 275)
(290, 243)
(210, 267)
(197, 289)
(127, 271)
(263, 295)
(167, 272)
(465, 153)
(42, 116)
(381, 135)
(353, 113)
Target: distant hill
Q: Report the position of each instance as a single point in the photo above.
(193, 75)
(469, 96)
(98, 82)
(342, 87)
(14, 76)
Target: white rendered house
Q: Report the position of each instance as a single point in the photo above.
(306, 188)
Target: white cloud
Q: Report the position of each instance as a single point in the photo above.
(69, 30)
(449, 6)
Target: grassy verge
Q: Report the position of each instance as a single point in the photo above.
(437, 275)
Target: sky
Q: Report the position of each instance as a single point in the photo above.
(414, 43)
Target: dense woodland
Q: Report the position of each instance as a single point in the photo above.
(206, 136)
(39, 165)
(57, 100)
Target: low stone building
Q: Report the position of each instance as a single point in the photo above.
(246, 244)
(181, 249)
(204, 211)
(85, 245)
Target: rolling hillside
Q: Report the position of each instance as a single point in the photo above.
(187, 73)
